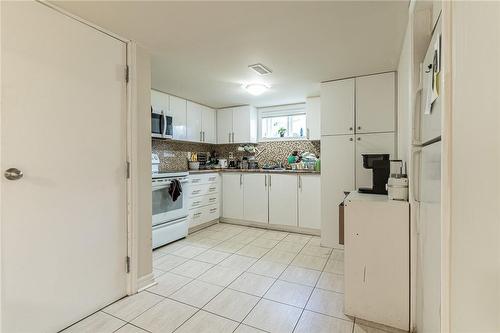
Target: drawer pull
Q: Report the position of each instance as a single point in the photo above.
(197, 214)
(212, 199)
(196, 202)
(212, 188)
(213, 210)
(196, 192)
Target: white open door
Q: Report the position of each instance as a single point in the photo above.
(63, 124)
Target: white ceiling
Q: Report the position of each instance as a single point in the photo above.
(201, 50)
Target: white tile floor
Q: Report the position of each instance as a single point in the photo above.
(229, 278)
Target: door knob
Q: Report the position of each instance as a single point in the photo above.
(13, 174)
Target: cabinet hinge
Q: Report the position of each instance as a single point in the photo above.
(128, 170)
(127, 73)
(127, 264)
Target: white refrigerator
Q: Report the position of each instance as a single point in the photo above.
(426, 173)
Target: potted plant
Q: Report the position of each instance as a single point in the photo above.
(282, 131)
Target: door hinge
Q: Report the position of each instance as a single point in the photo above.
(127, 73)
(127, 264)
(128, 170)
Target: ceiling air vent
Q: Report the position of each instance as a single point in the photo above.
(260, 69)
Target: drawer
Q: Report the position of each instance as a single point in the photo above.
(201, 215)
(204, 200)
(203, 189)
(204, 178)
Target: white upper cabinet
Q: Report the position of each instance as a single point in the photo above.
(313, 114)
(337, 107)
(375, 103)
(178, 112)
(256, 197)
(237, 125)
(283, 199)
(375, 143)
(194, 132)
(224, 125)
(159, 101)
(208, 119)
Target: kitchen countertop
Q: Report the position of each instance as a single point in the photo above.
(287, 171)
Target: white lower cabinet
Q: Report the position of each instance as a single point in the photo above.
(309, 199)
(256, 197)
(203, 203)
(283, 199)
(277, 199)
(232, 195)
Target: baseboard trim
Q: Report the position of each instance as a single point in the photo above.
(305, 231)
(146, 281)
(202, 226)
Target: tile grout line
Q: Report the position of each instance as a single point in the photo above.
(274, 280)
(312, 291)
(289, 264)
(260, 298)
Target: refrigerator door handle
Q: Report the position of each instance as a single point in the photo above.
(416, 132)
(415, 179)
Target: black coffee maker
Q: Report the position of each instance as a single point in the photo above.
(380, 165)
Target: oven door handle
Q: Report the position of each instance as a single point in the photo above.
(162, 185)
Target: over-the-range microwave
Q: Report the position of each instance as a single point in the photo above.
(161, 125)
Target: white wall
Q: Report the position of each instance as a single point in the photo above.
(142, 161)
(474, 168)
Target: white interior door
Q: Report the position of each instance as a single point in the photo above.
(63, 124)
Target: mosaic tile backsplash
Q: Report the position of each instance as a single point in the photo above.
(173, 154)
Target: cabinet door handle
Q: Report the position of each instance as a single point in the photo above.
(229, 140)
(269, 180)
(359, 127)
(265, 180)
(241, 179)
(308, 133)
(233, 137)
(300, 182)
(359, 139)
(351, 139)
(203, 136)
(350, 128)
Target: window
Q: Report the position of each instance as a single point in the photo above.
(287, 122)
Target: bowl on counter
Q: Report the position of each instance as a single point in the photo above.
(194, 165)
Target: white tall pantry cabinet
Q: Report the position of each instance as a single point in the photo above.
(357, 117)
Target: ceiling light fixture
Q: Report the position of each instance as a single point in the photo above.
(255, 89)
